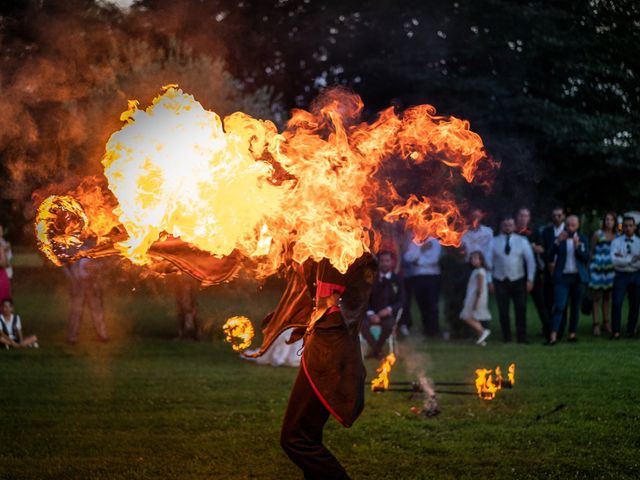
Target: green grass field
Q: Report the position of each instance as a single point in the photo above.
(147, 406)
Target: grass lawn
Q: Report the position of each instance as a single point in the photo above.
(147, 406)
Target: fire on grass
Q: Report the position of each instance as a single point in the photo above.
(488, 382)
(236, 188)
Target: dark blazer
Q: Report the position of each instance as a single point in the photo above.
(547, 241)
(559, 255)
(387, 292)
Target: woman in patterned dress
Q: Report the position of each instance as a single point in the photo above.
(601, 271)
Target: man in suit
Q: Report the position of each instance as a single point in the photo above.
(387, 298)
(547, 240)
(625, 254)
(569, 260)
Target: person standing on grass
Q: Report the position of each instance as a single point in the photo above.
(569, 259)
(625, 255)
(5, 266)
(523, 218)
(424, 261)
(602, 271)
(84, 287)
(549, 235)
(514, 270)
(476, 303)
(11, 328)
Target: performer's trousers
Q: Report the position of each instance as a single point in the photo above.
(86, 292)
(301, 436)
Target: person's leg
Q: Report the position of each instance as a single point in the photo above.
(548, 295)
(432, 296)
(596, 296)
(519, 295)
(77, 292)
(634, 304)
(560, 296)
(575, 296)
(301, 435)
(365, 331)
(502, 299)
(475, 325)
(537, 294)
(406, 319)
(606, 310)
(94, 297)
(386, 327)
(617, 298)
(420, 289)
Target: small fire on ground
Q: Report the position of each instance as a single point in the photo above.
(488, 382)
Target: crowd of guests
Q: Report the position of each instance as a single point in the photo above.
(557, 265)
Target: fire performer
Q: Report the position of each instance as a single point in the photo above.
(326, 308)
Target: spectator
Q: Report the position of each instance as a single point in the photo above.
(549, 235)
(523, 219)
(84, 287)
(569, 258)
(625, 254)
(6, 271)
(186, 291)
(387, 298)
(424, 259)
(602, 272)
(514, 270)
(476, 303)
(478, 239)
(11, 328)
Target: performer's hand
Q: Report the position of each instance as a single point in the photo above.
(529, 286)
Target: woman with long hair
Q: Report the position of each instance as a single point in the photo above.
(601, 272)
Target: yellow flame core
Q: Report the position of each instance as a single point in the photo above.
(511, 374)
(238, 331)
(174, 169)
(484, 384)
(381, 382)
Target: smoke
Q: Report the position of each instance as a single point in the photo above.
(68, 70)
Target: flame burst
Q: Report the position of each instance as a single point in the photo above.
(511, 374)
(381, 382)
(313, 191)
(484, 384)
(238, 331)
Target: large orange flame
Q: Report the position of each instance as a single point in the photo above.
(316, 190)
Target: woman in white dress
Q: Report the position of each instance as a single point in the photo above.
(476, 303)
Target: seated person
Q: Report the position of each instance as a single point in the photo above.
(11, 328)
(387, 298)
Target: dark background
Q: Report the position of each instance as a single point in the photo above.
(552, 87)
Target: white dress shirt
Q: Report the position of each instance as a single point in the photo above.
(623, 250)
(424, 262)
(570, 264)
(479, 240)
(512, 266)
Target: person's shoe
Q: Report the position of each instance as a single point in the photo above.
(483, 336)
(596, 330)
(35, 345)
(446, 336)
(606, 326)
(550, 343)
(615, 336)
(404, 330)
(483, 344)
(572, 339)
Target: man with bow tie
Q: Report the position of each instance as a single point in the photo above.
(625, 253)
(387, 298)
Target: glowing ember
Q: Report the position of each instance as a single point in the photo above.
(484, 384)
(238, 331)
(511, 374)
(238, 186)
(381, 382)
